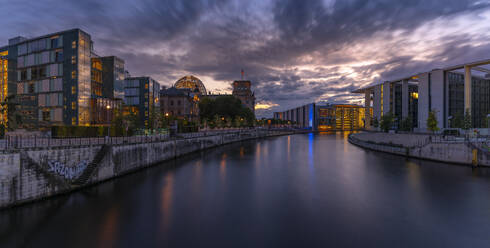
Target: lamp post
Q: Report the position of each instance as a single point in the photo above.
(108, 123)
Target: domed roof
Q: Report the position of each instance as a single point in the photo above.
(192, 83)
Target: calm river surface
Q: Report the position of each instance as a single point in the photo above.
(291, 191)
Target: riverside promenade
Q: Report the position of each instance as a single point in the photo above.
(33, 169)
(449, 149)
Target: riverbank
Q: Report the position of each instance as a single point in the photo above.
(422, 146)
(31, 174)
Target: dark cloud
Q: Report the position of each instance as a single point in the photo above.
(295, 52)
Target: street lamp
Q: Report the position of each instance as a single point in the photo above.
(108, 123)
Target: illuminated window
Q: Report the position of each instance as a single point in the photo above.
(74, 74)
(73, 59)
(73, 90)
(73, 44)
(74, 121)
(73, 105)
(146, 86)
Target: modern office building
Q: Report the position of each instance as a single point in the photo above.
(325, 117)
(399, 97)
(180, 103)
(141, 97)
(449, 92)
(58, 80)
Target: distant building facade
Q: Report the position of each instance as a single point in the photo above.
(180, 103)
(325, 117)
(141, 97)
(449, 92)
(242, 89)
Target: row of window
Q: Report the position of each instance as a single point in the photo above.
(40, 72)
(38, 45)
(134, 100)
(50, 100)
(40, 58)
(131, 92)
(131, 83)
(51, 114)
(46, 85)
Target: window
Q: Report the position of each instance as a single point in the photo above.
(31, 88)
(74, 44)
(58, 55)
(73, 105)
(74, 121)
(42, 72)
(171, 103)
(46, 115)
(74, 74)
(178, 103)
(73, 59)
(73, 90)
(146, 86)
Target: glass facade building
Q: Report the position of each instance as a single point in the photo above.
(58, 80)
(480, 98)
(141, 97)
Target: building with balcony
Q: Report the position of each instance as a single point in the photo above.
(58, 80)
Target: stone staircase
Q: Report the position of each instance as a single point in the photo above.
(82, 179)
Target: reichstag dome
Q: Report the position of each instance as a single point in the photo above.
(192, 83)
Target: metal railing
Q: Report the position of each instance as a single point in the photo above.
(18, 142)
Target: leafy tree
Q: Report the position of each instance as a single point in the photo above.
(432, 122)
(224, 111)
(375, 122)
(467, 120)
(386, 122)
(457, 121)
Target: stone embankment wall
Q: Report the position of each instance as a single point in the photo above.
(32, 174)
(418, 146)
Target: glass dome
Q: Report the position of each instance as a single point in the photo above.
(192, 83)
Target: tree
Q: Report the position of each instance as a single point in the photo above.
(223, 108)
(386, 122)
(375, 122)
(432, 122)
(467, 120)
(457, 121)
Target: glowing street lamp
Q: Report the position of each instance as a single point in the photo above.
(108, 124)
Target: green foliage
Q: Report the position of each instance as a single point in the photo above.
(386, 122)
(432, 122)
(457, 121)
(406, 124)
(225, 111)
(375, 122)
(467, 120)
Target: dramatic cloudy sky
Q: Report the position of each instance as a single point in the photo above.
(294, 51)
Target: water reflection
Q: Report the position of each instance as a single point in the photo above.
(293, 191)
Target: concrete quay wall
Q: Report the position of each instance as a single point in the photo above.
(449, 152)
(33, 174)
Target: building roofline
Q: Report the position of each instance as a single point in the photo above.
(48, 35)
(471, 64)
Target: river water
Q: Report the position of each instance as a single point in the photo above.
(310, 190)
